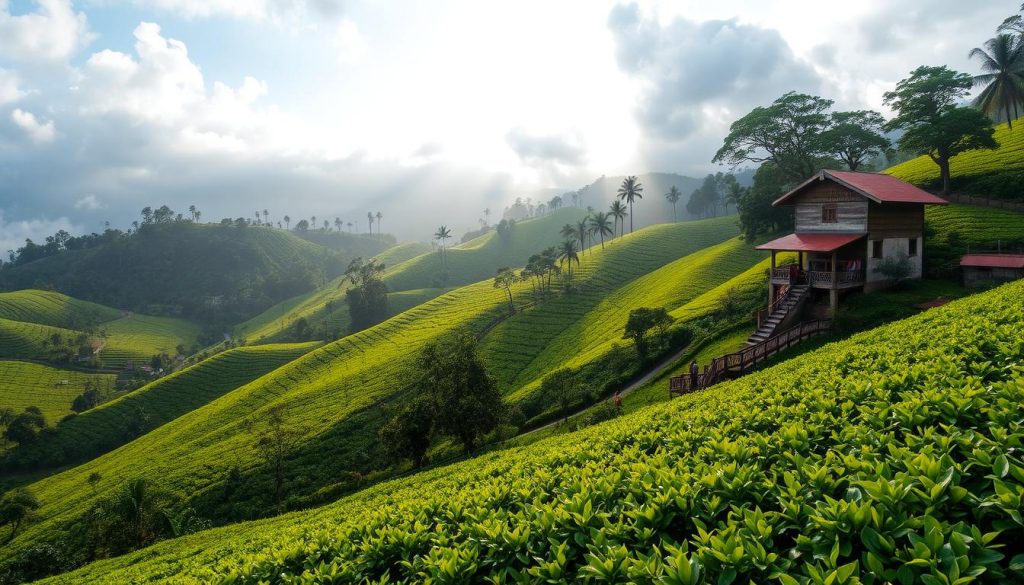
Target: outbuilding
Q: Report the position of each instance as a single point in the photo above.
(988, 269)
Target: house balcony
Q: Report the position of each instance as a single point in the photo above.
(787, 275)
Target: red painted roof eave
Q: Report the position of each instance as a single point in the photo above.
(992, 261)
(877, 187)
(810, 242)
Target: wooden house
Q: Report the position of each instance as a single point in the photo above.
(846, 223)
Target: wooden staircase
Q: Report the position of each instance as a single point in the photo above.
(777, 313)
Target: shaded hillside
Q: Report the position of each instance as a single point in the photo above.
(53, 308)
(992, 173)
(351, 244)
(221, 273)
(883, 458)
(48, 388)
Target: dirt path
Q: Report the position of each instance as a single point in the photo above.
(649, 375)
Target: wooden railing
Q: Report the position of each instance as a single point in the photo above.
(782, 273)
(744, 360)
(823, 279)
(761, 314)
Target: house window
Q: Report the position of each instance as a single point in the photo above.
(829, 213)
(912, 247)
(876, 249)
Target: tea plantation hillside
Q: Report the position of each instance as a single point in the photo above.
(574, 329)
(222, 273)
(119, 421)
(139, 337)
(891, 457)
(50, 389)
(20, 340)
(334, 398)
(53, 308)
(325, 309)
(996, 173)
(478, 258)
(953, 229)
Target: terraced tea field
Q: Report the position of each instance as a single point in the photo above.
(1009, 157)
(20, 340)
(52, 308)
(326, 393)
(116, 422)
(587, 324)
(50, 389)
(886, 458)
(139, 337)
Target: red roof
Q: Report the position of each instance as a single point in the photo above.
(878, 187)
(993, 260)
(811, 242)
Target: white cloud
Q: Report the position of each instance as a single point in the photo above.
(348, 41)
(14, 233)
(89, 202)
(54, 32)
(36, 130)
(9, 90)
(248, 9)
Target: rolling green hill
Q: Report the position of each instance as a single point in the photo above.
(326, 310)
(953, 229)
(996, 173)
(117, 422)
(51, 389)
(33, 341)
(889, 457)
(53, 308)
(223, 274)
(334, 397)
(139, 337)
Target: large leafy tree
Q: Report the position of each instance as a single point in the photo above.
(854, 137)
(504, 278)
(933, 124)
(465, 398)
(754, 205)
(1002, 60)
(630, 191)
(16, 506)
(641, 321)
(368, 295)
(786, 133)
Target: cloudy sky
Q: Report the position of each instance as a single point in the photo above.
(427, 112)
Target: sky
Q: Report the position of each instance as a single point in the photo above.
(428, 112)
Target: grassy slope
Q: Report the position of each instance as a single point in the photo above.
(139, 337)
(1008, 157)
(20, 340)
(572, 330)
(27, 384)
(909, 404)
(329, 393)
(52, 308)
(107, 426)
(410, 271)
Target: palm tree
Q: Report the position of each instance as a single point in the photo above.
(618, 211)
(379, 217)
(441, 235)
(199, 214)
(287, 223)
(567, 253)
(567, 231)
(349, 224)
(581, 233)
(313, 222)
(630, 191)
(599, 225)
(192, 211)
(266, 217)
(1003, 64)
(487, 215)
(369, 221)
(338, 223)
(673, 197)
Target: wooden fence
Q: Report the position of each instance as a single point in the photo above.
(741, 362)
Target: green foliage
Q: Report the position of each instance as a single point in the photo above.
(53, 390)
(757, 214)
(1002, 61)
(957, 228)
(896, 267)
(53, 309)
(112, 424)
(368, 296)
(640, 323)
(24, 428)
(465, 398)
(630, 191)
(137, 338)
(15, 507)
(993, 173)
(855, 137)
(932, 123)
(892, 457)
(407, 434)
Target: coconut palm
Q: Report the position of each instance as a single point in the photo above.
(630, 191)
(349, 225)
(618, 211)
(266, 217)
(441, 235)
(1002, 60)
(580, 232)
(567, 231)
(379, 217)
(287, 222)
(673, 196)
(599, 225)
(567, 253)
(369, 221)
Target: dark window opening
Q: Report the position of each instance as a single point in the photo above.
(912, 247)
(876, 249)
(829, 213)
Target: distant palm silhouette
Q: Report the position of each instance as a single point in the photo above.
(630, 191)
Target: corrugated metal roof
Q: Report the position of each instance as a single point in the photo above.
(878, 187)
(811, 242)
(993, 260)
